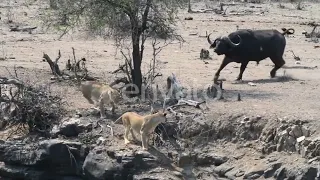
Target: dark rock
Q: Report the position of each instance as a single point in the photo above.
(234, 173)
(54, 151)
(271, 170)
(71, 127)
(280, 173)
(222, 169)
(302, 173)
(185, 159)
(203, 159)
(158, 174)
(101, 163)
(16, 172)
(39, 159)
(308, 173)
(255, 172)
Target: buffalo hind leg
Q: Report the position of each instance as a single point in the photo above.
(242, 68)
(225, 62)
(278, 63)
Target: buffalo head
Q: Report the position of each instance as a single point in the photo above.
(222, 45)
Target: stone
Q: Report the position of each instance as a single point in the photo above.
(280, 144)
(296, 131)
(71, 127)
(223, 169)
(303, 151)
(306, 142)
(234, 173)
(282, 133)
(271, 170)
(305, 131)
(102, 163)
(300, 139)
(303, 173)
(280, 173)
(100, 140)
(203, 159)
(38, 160)
(314, 159)
(255, 172)
(290, 141)
(184, 159)
(246, 119)
(158, 174)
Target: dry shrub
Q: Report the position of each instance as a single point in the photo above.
(31, 106)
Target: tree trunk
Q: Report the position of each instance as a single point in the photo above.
(137, 78)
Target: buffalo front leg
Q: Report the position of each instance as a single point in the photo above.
(278, 63)
(225, 62)
(242, 68)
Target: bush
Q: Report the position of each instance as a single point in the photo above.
(31, 106)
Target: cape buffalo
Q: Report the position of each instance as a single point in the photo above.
(247, 45)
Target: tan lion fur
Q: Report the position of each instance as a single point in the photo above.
(143, 125)
(100, 94)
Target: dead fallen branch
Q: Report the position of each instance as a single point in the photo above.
(53, 64)
(78, 66)
(23, 104)
(313, 33)
(22, 29)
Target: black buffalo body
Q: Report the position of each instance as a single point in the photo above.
(247, 45)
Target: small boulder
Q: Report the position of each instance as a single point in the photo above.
(102, 163)
(255, 172)
(269, 172)
(71, 127)
(203, 159)
(223, 169)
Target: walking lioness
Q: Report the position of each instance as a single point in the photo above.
(100, 94)
(143, 125)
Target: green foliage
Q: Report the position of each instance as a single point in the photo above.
(115, 17)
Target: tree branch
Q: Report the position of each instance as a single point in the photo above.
(145, 15)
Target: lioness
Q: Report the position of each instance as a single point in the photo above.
(100, 94)
(143, 125)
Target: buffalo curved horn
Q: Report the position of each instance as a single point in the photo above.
(208, 38)
(232, 43)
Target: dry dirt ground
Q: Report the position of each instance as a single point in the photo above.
(296, 98)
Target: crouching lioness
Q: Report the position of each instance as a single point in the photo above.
(100, 94)
(143, 125)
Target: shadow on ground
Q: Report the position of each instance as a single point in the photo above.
(300, 67)
(283, 78)
(252, 94)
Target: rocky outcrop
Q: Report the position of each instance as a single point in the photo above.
(290, 138)
(102, 163)
(71, 127)
(54, 158)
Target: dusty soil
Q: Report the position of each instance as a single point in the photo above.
(294, 96)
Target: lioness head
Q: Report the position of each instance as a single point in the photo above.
(160, 116)
(116, 95)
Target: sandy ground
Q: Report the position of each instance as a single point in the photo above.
(296, 99)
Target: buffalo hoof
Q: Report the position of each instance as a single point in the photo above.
(237, 81)
(272, 74)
